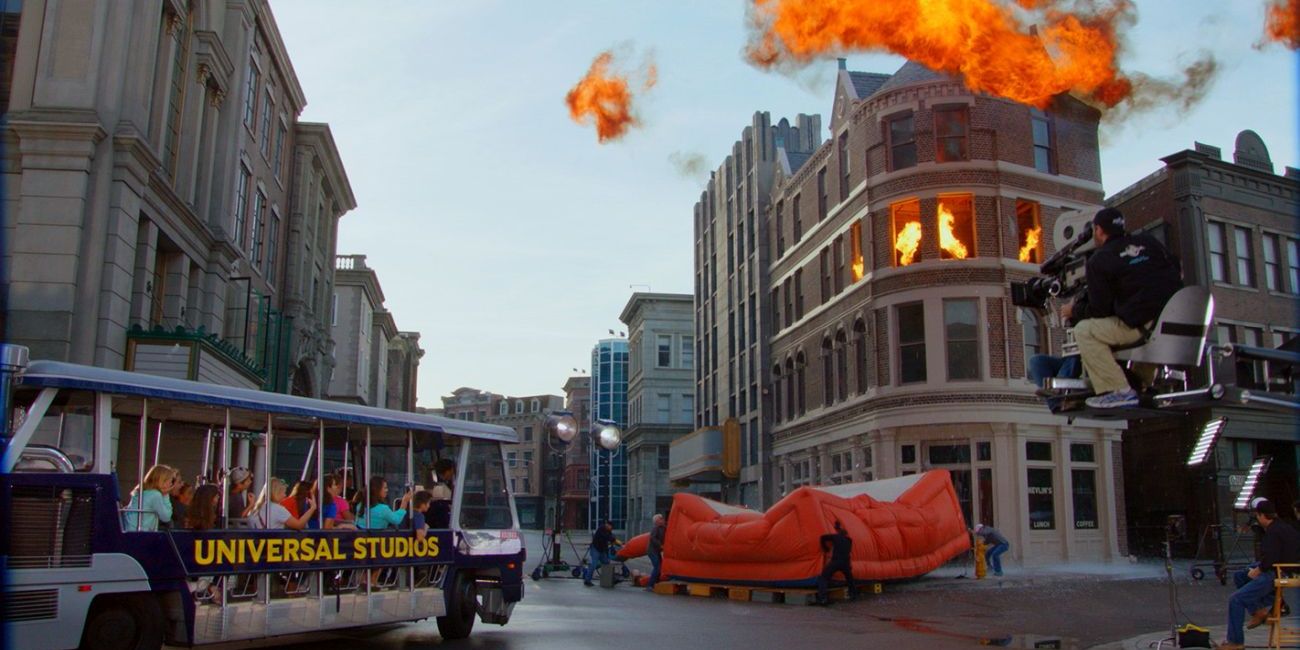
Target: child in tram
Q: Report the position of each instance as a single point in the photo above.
(419, 506)
(270, 515)
(150, 501)
(204, 507)
(329, 510)
(379, 515)
(181, 499)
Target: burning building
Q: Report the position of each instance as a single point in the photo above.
(894, 347)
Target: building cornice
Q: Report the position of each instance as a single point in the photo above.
(319, 136)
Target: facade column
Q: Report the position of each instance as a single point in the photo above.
(175, 289)
(146, 260)
(885, 452)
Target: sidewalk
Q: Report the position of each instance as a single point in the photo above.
(1256, 638)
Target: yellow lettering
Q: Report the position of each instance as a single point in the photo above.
(200, 557)
(307, 550)
(386, 547)
(402, 547)
(359, 548)
(274, 548)
(374, 547)
(255, 548)
(431, 546)
(336, 554)
(226, 551)
(291, 550)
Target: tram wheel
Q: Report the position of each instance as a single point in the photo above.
(130, 622)
(462, 607)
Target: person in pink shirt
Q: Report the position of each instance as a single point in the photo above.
(343, 513)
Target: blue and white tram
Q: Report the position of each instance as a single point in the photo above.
(78, 438)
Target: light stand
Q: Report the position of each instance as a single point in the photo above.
(1203, 451)
(561, 429)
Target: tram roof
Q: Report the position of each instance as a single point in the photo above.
(56, 374)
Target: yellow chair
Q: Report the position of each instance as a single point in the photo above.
(1288, 631)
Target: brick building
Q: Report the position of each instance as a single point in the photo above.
(577, 460)
(1233, 225)
(894, 345)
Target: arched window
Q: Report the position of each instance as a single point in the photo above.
(536, 405)
(776, 392)
(828, 373)
(790, 410)
(799, 365)
(841, 366)
(860, 354)
(519, 406)
(503, 408)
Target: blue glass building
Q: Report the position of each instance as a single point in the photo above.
(609, 402)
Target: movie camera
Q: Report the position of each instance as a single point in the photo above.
(1063, 274)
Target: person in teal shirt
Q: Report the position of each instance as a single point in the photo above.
(379, 515)
(151, 500)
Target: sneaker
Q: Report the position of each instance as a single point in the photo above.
(587, 583)
(1115, 399)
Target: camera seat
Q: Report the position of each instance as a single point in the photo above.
(1178, 339)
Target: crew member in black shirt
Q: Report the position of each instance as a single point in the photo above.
(1254, 594)
(839, 546)
(1129, 278)
(598, 553)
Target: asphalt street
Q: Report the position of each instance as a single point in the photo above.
(1078, 607)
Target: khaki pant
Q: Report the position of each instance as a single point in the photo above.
(1096, 337)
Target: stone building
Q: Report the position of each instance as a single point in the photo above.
(894, 346)
(1233, 226)
(731, 290)
(155, 172)
(404, 354)
(660, 398)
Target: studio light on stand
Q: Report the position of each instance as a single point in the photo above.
(1211, 431)
(1205, 444)
(1257, 471)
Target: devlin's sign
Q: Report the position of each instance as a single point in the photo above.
(254, 550)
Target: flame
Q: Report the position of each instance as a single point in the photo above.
(983, 41)
(1031, 244)
(603, 97)
(907, 241)
(1283, 22)
(859, 268)
(947, 240)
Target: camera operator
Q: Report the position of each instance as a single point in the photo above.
(1129, 278)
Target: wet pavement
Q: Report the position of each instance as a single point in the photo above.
(1080, 606)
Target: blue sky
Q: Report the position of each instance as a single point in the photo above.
(506, 236)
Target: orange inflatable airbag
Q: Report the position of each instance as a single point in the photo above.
(901, 528)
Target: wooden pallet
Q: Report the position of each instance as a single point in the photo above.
(790, 596)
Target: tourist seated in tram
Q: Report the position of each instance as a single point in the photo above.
(296, 502)
(440, 509)
(419, 507)
(329, 509)
(239, 502)
(150, 501)
(180, 499)
(270, 515)
(204, 508)
(379, 515)
(343, 512)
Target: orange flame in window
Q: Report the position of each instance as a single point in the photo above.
(859, 269)
(1030, 249)
(603, 97)
(1283, 23)
(907, 242)
(947, 240)
(982, 41)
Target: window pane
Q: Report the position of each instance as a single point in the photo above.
(1042, 134)
(1042, 508)
(1218, 258)
(908, 454)
(907, 231)
(1245, 264)
(1043, 159)
(911, 323)
(961, 331)
(1272, 270)
(1083, 484)
(1038, 451)
(949, 454)
(1082, 453)
(484, 501)
(984, 451)
(956, 222)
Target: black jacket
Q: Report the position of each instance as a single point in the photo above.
(1281, 545)
(1131, 277)
(601, 539)
(656, 545)
(840, 546)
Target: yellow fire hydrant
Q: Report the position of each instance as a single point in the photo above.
(981, 567)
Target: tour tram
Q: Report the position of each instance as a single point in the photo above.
(78, 439)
